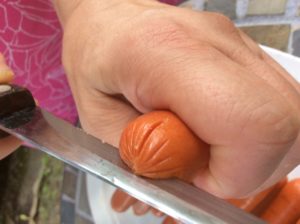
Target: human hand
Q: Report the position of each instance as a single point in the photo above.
(121, 202)
(8, 143)
(131, 57)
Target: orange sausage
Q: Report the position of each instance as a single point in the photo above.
(269, 198)
(259, 201)
(298, 222)
(159, 145)
(285, 209)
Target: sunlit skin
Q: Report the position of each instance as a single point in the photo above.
(135, 56)
(198, 65)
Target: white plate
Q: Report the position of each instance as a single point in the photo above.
(99, 192)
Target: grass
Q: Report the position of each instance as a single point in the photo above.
(32, 190)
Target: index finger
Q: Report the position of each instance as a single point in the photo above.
(6, 74)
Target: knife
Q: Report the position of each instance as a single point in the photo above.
(19, 116)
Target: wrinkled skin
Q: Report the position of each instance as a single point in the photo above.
(198, 65)
(130, 57)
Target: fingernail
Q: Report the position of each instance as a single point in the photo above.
(157, 212)
(140, 208)
(121, 201)
(4, 88)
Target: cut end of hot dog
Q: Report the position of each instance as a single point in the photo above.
(159, 145)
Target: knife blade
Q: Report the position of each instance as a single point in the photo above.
(72, 145)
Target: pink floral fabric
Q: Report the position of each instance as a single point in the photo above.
(30, 39)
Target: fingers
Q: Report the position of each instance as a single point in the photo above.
(7, 144)
(6, 74)
(261, 162)
(157, 212)
(248, 115)
(262, 65)
(238, 47)
(245, 120)
(140, 208)
(241, 49)
(267, 60)
(104, 116)
(169, 220)
(290, 161)
(121, 201)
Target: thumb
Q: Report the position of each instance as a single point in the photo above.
(103, 116)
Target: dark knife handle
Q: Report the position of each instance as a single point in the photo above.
(13, 98)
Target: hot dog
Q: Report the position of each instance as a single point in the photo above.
(160, 145)
(257, 203)
(285, 209)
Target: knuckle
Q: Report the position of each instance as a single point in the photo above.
(220, 20)
(160, 32)
(164, 34)
(278, 125)
(239, 51)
